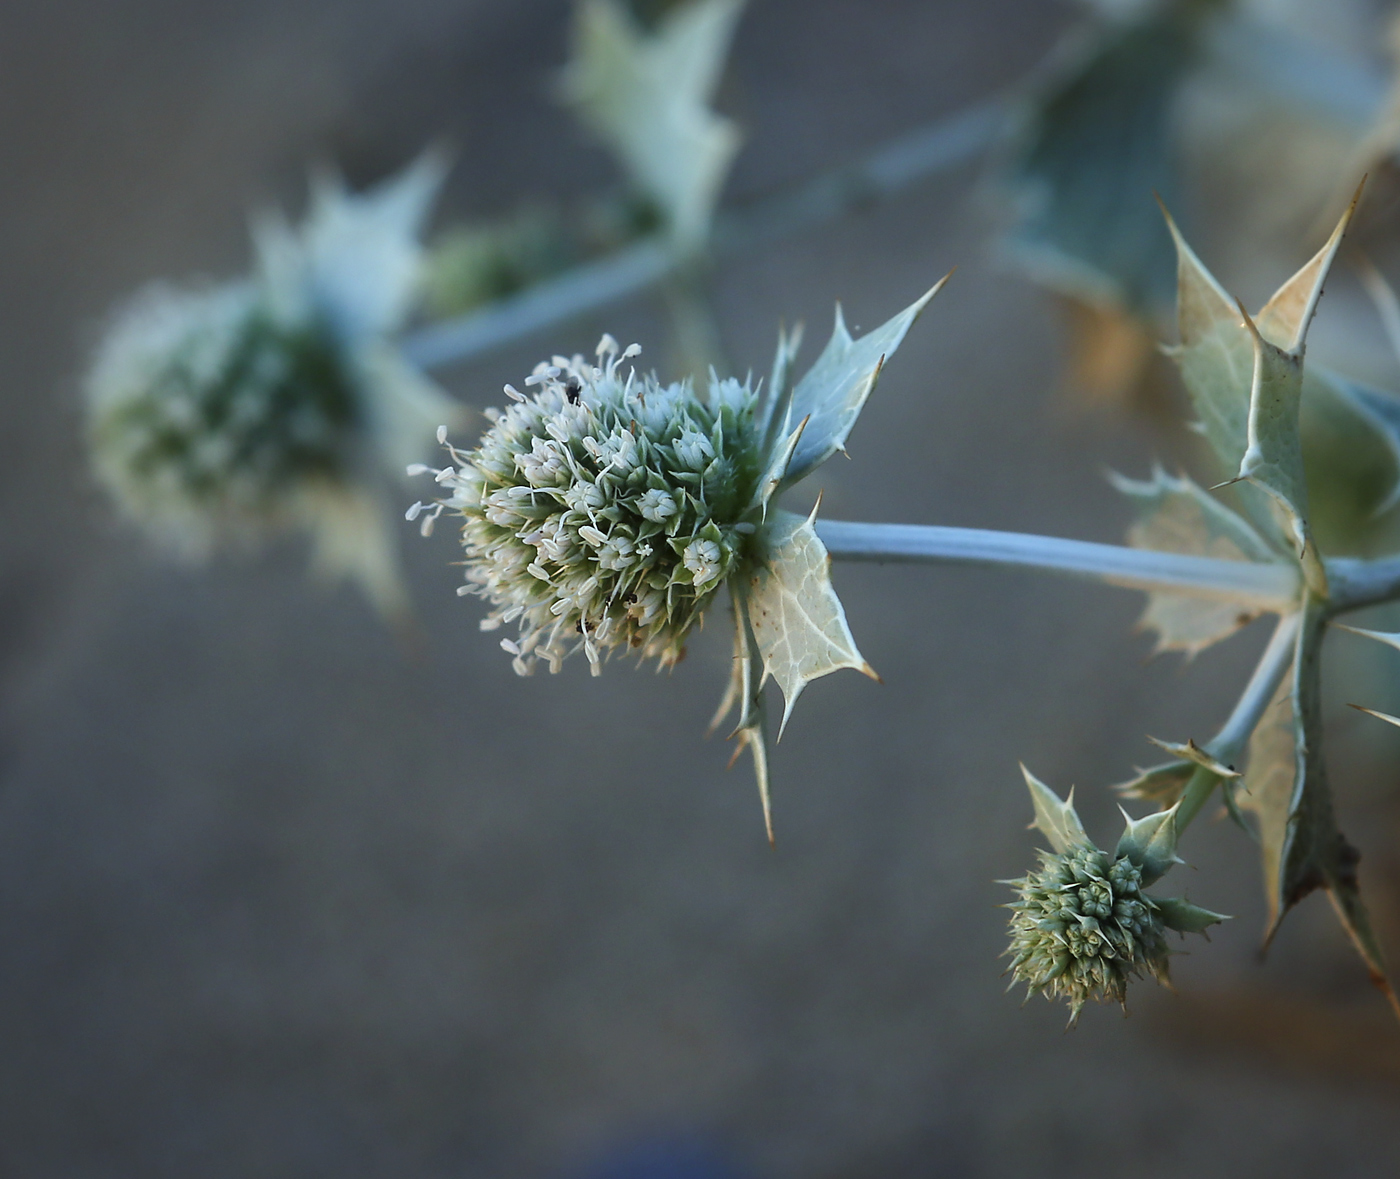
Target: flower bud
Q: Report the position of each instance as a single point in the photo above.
(1081, 928)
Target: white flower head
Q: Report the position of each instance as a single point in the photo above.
(584, 526)
(603, 511)
(279, 400)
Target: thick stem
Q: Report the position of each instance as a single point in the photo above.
(1199, 788)
(1266, 586)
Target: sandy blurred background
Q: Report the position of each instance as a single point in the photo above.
(277, 899)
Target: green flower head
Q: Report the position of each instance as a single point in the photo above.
(1081, 926)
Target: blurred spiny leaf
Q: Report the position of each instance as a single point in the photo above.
(1177, 516)
(646, 94)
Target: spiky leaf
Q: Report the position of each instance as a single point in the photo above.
(1190, 751)
(1216, 360)
(1212, 356)
(744, 692)
(1150, 843)
(1273, 459)
(1056, 819)
(1185, 917)
(1300, 838)
(836, 387)
(1162, 785)
(798, 621)
(1177, 516)
(1266, 791)
(647, 95)
(1097, 143)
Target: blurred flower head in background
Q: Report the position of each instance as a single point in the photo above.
(276, 402)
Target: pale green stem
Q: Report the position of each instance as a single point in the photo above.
(1263, 586)
(1230, 742)
(1258, 694)
(1199, 788)
(890, 169)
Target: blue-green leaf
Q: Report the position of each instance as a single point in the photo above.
(835, 389)
(798, 622)
(1054, 818)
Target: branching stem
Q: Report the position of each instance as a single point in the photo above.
(1258, 694)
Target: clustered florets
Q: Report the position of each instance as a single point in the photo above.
(209, 408)
(603, 511)
(1082, 927)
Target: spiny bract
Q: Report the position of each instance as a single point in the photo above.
(603, 511)
(1081, 928)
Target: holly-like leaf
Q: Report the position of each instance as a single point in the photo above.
(1054, 818)
(1212, 356)
(1097, 142)
(356, 259)
(745, 692)
(778, 462)
(836, 387)
(1266, 791)
(1378, 409)
(647, 95)
(1162, 785)
(1302, 837)
(1150, 843)
(1216, 360)
(1185, 917)
(797, 619)
(1193, 753)
(772, 414)
(1177, 516)
(1273, 459)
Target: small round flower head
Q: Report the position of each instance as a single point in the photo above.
(604, 510)
(1081, 927)
(233, 411)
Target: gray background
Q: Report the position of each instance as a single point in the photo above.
(278, 899)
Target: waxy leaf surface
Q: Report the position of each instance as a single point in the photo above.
(1177, 516)
(797, 619)
(1096, 145)
(647, 95)
(1302, 848)
(836, 387)
(1055, 818)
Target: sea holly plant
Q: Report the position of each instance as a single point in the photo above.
(603, 511)
(226, 414)
(1082, 926)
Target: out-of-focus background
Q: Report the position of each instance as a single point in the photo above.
(280, 895)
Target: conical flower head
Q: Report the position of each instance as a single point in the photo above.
(1081, 926)
(603, 511)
